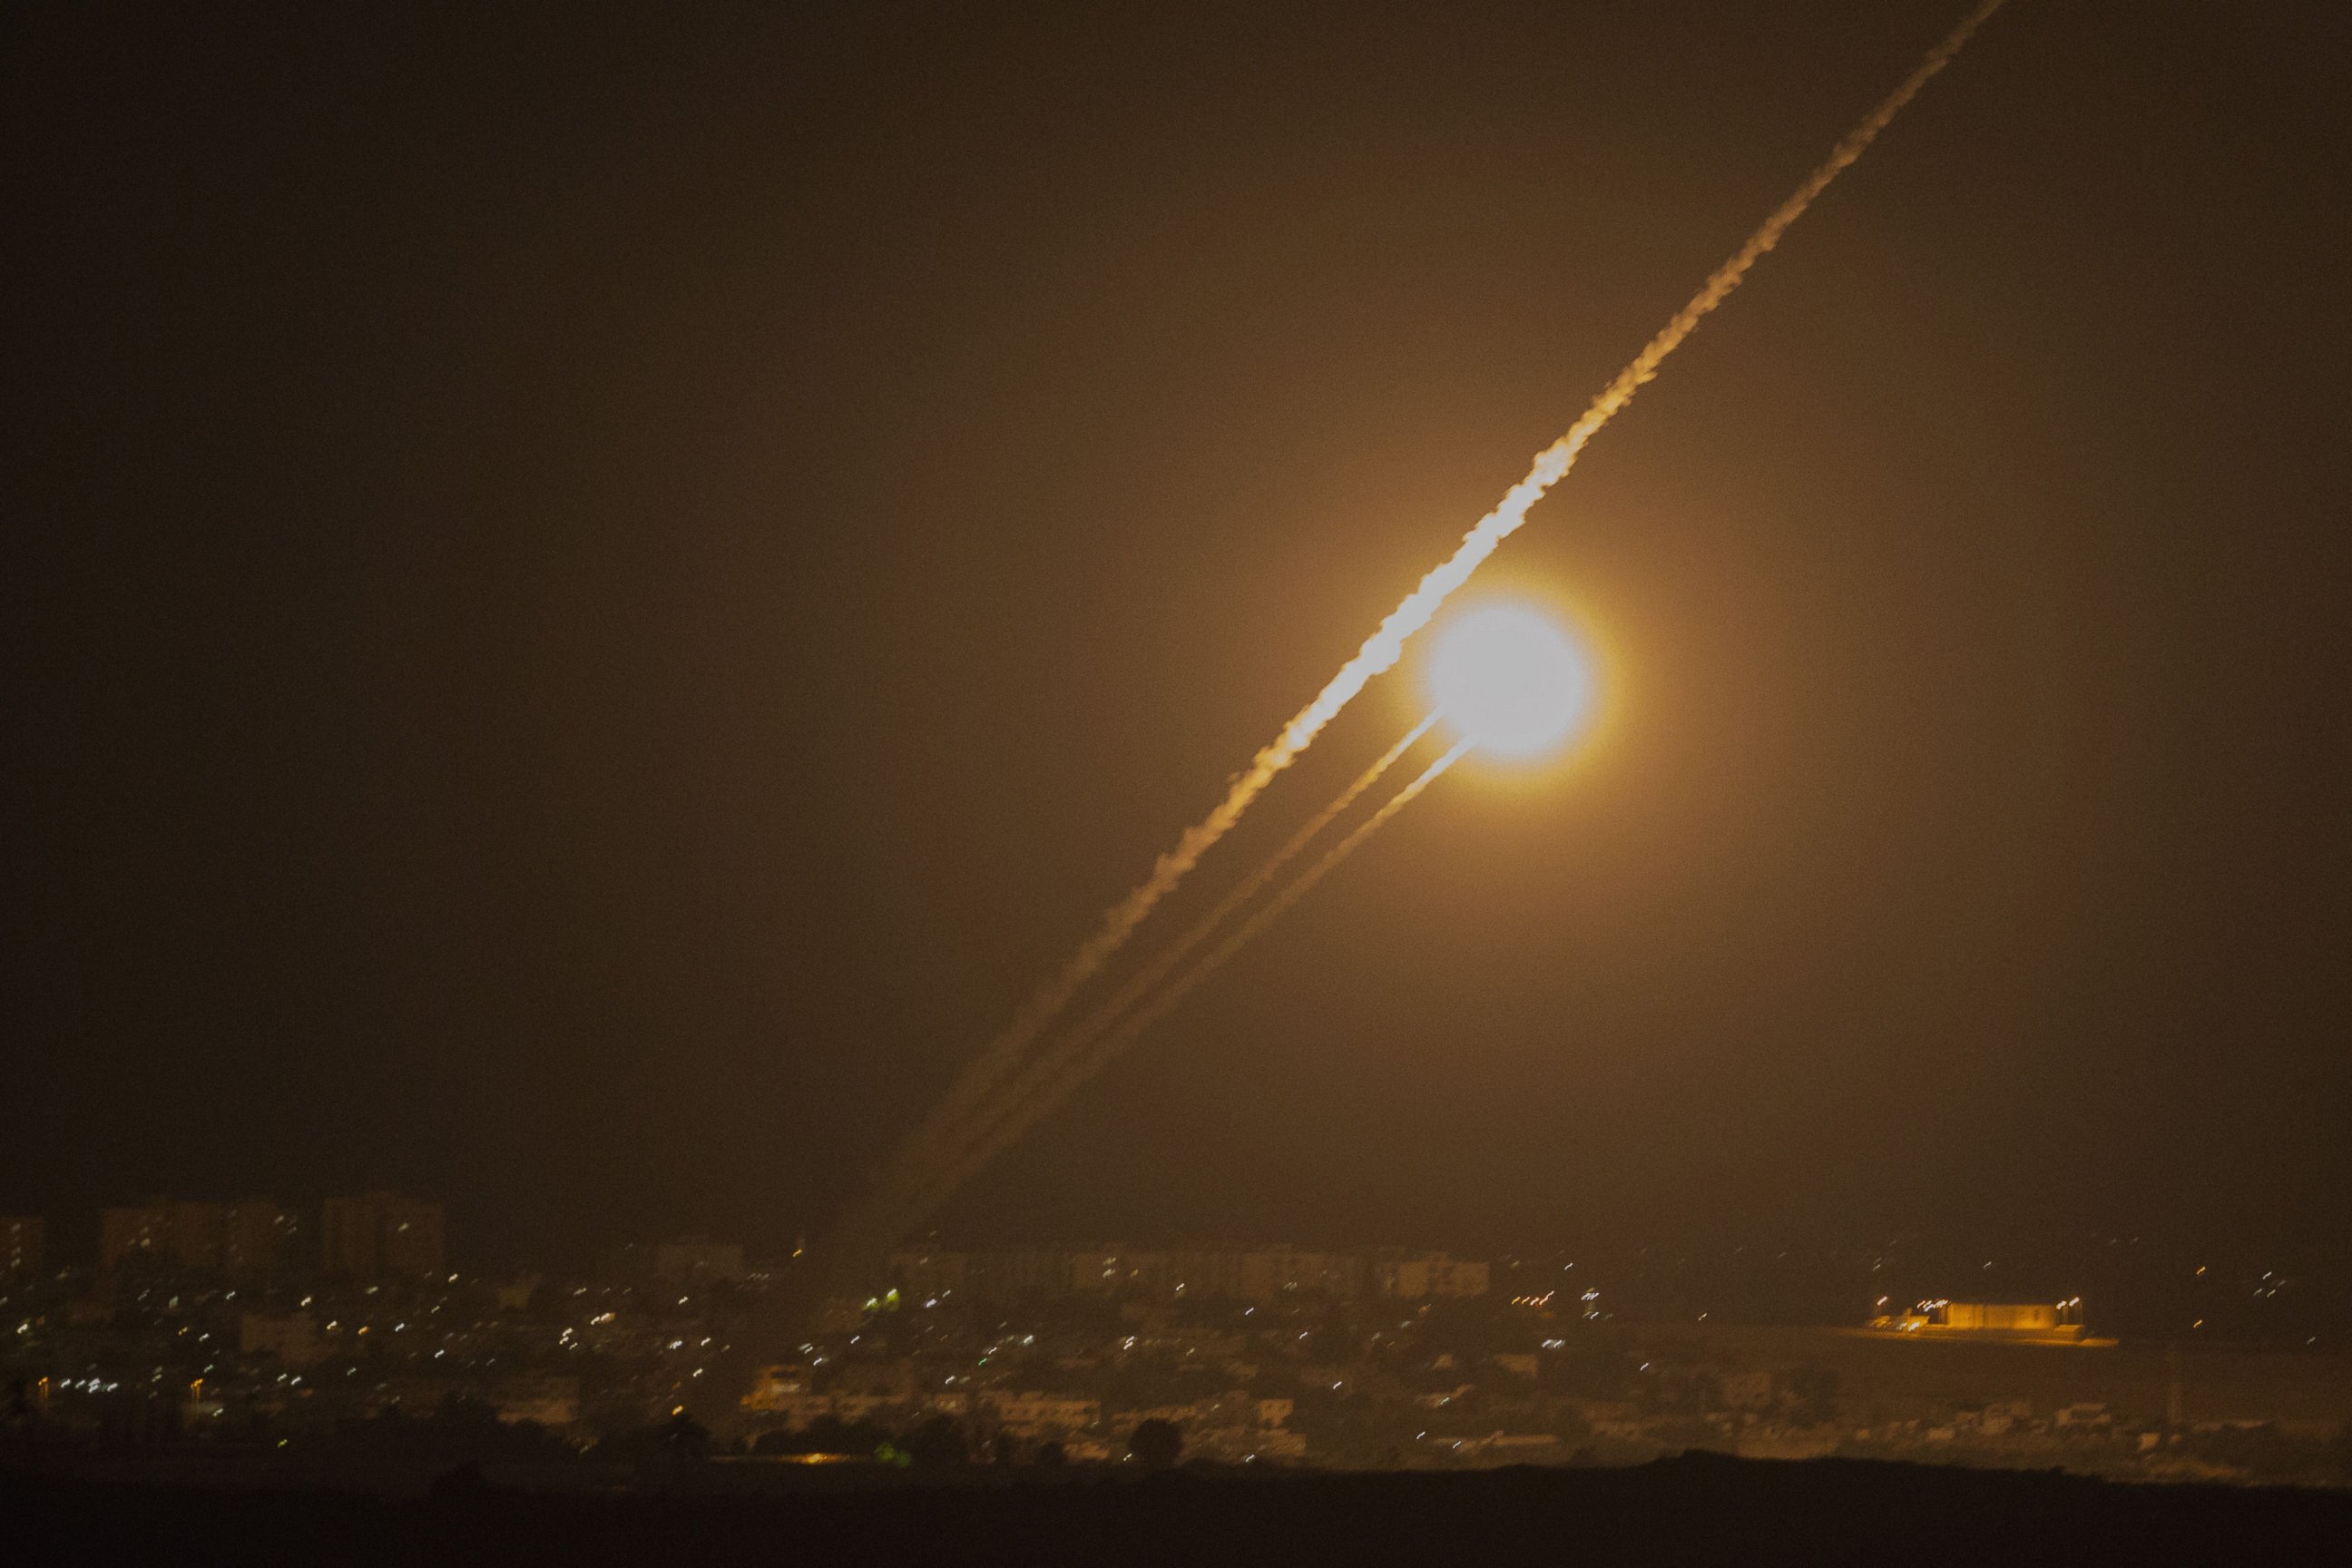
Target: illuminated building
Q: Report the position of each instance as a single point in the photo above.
(2030, 1322)
(382, 1236)
(139, 1232)
(242, 1239)
(20, 1244)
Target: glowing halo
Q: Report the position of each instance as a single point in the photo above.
(1511, 680)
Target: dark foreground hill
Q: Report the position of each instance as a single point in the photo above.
(1694, 1510)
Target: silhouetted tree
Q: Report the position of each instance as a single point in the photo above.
(937, 1441)
(456, 1413)
(826, 1434)
(680, 1437)
(461, 1483)
(458, 1429)
(687, 1437)
(1050, 1455)
(1157, 1444)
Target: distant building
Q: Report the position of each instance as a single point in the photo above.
(2038, 1323)
(243, 1239)
(884, 1379)
(1416, 1276)
(1259, 1274)
(1030, 1414)
(142, 1233)
(926, 1272)
(798, 1407)
(1262, 1274)
(20, 1244)
(1276, 1273)
(290, 1337)
(257, 1238)
(697, 1259)
(771, 1384)
(382, 1236)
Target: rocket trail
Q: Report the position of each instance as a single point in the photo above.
(923, 1166)
(1043, 1100)
(1385, 645)
(1382, 650)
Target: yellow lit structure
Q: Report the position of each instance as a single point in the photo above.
(2010, 1323)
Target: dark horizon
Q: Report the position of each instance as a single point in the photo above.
(598, 602)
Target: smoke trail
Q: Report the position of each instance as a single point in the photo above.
(1041, 1103)
(878, 1225)
(1385, 645)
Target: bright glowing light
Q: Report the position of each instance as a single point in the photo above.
(1511, 680)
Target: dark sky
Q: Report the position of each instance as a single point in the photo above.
(591, 604)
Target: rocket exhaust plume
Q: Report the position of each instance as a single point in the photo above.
(1385, 645)
(922, 1165)
(1044, 1099)
(1382, 650)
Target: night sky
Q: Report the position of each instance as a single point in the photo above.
(592, 604)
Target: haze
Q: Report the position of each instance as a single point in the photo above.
(595, 606)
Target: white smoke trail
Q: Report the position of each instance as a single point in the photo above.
(1382, 650)
(1044, 1099)
(879, 1225)
(1384, 646)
